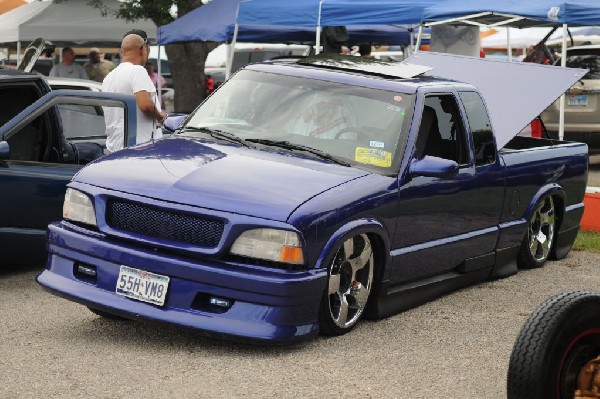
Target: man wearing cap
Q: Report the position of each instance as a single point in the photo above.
(68, 68)
(97, 68)
(130, 77)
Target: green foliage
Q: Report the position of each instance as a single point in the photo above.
(159, 11)
(587, 241)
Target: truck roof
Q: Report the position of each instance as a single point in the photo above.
(358, 76)
(10, 72)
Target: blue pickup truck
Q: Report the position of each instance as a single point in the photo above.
(302, 196)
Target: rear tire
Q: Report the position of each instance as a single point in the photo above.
(539, 240)
(349, 284)
(557, 340)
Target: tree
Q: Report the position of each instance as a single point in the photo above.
(186, 60)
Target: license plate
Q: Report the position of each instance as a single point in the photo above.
(142, 285)
(577, 101)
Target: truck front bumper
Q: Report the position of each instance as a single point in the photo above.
(265, 304)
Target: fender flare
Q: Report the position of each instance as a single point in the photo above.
(358, 226)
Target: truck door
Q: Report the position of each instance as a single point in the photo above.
(35, 173)
(449, 224)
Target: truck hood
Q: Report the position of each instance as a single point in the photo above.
(222, 177)
(515, 93)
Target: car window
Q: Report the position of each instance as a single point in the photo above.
(481, 128)
(361, 125)
(441, 133)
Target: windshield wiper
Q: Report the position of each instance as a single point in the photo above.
(218, 134)
(299, 147)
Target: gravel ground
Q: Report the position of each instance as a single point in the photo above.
(455, 347)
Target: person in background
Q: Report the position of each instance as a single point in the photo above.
(67, 68)
(155, 77)
(97, 68)
(130, 77)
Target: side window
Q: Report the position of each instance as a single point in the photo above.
(481, 128)
(442, 133)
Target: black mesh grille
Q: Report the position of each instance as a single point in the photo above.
(160, 223)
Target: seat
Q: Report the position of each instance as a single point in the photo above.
(429, 140)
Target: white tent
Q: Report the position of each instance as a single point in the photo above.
(70, 22)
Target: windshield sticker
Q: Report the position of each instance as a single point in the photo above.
(376, 144)
(397, 98)
(394, 108)
(372, 156)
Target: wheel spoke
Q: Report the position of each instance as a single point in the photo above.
(361, 295)
(343, 315)
(334, 283)
(533, 246)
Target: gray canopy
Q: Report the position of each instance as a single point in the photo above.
(70, 22)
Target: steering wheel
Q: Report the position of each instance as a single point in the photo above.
(350, 129)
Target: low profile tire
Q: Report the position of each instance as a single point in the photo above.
(553, 354)
(106, 315)
(350, 279)
(538, 242)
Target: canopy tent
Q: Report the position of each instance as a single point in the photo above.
(71, 22)
(216, 21)
(516, 13)
(7, 5)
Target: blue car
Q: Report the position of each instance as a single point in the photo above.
(302, 196)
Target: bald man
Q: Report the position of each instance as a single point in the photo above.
(130, 77)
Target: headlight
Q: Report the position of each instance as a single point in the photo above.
(78, 207)
(269, 244)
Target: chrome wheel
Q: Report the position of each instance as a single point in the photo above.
(350, 280)
(541, 230)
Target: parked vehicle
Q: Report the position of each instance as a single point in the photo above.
(248, 53)
(582, 103)
(301, 196)
(36, 158)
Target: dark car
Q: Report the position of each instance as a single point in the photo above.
(301, 196)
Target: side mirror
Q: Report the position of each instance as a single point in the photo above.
(174, 121)
(429, 166)
(4, 151)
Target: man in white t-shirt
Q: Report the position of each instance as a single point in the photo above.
(130, 77)
(67, 68)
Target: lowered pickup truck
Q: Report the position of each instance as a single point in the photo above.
(301, 196)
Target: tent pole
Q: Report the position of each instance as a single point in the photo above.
(419, 37)
(318, 38)
(508, 44)
(18, 51)
(563, 63)
(158, 83)
(231, 52)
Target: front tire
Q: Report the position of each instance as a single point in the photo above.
(539, 240)
(349, 284)
(556, 347)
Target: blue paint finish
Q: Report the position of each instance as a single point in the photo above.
(421, 227)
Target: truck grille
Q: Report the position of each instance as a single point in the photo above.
(159, 223)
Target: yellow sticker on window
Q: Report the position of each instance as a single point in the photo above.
(373, 156)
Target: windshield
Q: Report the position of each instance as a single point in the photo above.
(362, 127)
